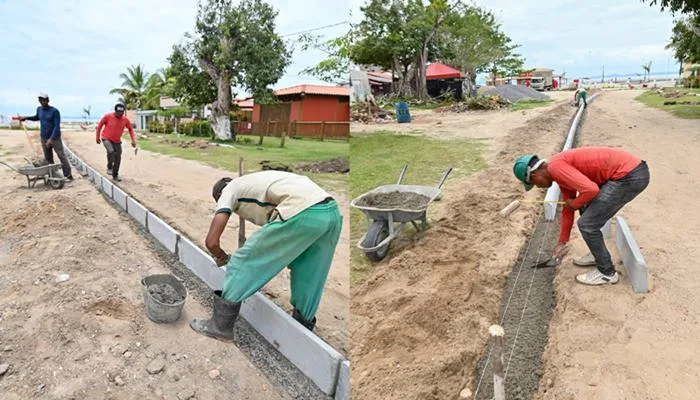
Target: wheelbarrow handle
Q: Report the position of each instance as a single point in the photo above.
(444, 177)
(9, 166)
(403, 171)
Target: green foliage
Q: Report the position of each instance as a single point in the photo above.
(191, 85)
(402, 35)
(197, 128)
(685, 39)
(682, 6)
(336, 67)
(133, 88)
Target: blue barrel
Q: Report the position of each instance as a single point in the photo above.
(402, 114)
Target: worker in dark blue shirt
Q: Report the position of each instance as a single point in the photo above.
(50, 120)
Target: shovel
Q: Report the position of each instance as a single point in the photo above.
(550, 263)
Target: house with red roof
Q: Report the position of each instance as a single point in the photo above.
(307, 103)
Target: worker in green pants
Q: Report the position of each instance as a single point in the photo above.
(580, 95)
(301, 226)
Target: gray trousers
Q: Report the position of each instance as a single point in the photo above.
(114, 156)
(612, 197)
(57, 146)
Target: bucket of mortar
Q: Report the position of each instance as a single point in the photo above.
(156, 310)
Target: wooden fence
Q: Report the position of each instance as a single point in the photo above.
(303, 129)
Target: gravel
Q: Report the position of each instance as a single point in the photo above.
(515, 93)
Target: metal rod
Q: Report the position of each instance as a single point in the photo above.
(403, 171)
(444, 177)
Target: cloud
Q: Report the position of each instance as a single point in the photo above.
(76, 49)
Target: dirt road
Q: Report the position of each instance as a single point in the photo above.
(420, 318)
(488, 125)
(180, 192)
(88, 337)
(607, 342)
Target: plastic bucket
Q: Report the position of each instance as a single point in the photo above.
(158, 312)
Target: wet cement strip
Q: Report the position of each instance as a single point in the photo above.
(523, 363)
(286, 378)
(525, 367)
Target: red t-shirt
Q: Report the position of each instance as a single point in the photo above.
(584, 170)
(114, 128)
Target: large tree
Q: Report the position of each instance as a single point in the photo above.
(405, 35)
(235, 46)
(473, 42)
(684, 41)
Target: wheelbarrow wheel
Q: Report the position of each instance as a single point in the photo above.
(56, 183)
(378, 231)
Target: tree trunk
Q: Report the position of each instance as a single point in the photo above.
(421, 79)
(220, 119)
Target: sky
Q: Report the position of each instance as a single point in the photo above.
(580, 37)
(74, 50)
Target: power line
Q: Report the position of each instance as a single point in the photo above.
(316, 29)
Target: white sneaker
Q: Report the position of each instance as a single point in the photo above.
(595, 277)
(585, 261)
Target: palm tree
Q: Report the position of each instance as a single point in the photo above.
(647, 70)
(133, 89)
(86, 111)
(159, 84)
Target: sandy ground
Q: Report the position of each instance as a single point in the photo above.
(88, 337)
(608, 342)
(486, 125)
(420, 319)
(180, 192)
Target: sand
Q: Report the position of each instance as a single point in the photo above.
(180, 192)
(607, 342)
(420, 318)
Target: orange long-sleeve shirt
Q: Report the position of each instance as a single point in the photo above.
(584, 170)
(114, 128)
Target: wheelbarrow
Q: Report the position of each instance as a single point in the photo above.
(35, 171)
(385, 224)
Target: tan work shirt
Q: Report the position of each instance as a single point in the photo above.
(262, 197)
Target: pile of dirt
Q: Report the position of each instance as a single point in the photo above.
(188, 144)
(165, 293)
(366, 112)
(476, 103)
(268, 165)
(420, 319)
(395, 200)
(673, 103)
(336, 165)
(672, 93)
(514, 93)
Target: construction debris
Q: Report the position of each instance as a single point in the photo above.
(368, 112)
(476, 103)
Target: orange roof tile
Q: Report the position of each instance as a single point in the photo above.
(314, 89)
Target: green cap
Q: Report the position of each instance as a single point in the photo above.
(521, 169)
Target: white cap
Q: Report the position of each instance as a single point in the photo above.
(43, 95)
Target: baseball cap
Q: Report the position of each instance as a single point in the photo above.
(43, 95)
(119, 108)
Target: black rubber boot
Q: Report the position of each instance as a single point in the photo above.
(220, 325)
(308, 324)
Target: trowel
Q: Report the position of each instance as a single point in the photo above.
(552, 262)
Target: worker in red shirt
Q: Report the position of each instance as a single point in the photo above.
(605, 179)
(111, 137)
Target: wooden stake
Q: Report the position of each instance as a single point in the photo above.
(241, 221)
(498, 336)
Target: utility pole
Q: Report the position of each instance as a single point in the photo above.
(602, 79)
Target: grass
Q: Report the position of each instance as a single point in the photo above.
(296, 151)
(376, 159)
(653, 99)
(530, 104)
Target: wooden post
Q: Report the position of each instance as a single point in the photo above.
(498, 336)
(267, 130)
(241, 221)
(284, 135)
(323, 130)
